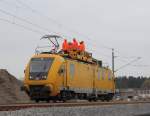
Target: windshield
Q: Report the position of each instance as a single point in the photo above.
(39, 67)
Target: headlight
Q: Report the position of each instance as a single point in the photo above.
(30, 77)
(44, 77)
(38, 77)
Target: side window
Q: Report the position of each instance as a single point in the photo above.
(99, 74)
(109, 75)
(103, 74)
(72, 70)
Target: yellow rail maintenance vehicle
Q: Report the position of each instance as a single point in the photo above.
(67, 74)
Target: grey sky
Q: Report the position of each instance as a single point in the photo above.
(121, 24)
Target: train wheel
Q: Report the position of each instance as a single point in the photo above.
(54, 101)
(102, 99)
(108, 97)
(37, 101)
(47, 101)
(90, 100)
(63, 96)
(95, 99)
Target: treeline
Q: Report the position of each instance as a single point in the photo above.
(132, 82)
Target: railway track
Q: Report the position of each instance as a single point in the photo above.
(13, 107)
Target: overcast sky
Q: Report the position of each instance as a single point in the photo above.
(102, 24)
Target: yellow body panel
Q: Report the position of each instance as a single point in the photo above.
(84, 76)
(105, 81)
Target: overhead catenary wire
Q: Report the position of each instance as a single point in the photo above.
(23, 20)
(138, 58)
(28, 22)
(41, 14)
(59, 24)
(10, 4)
(22, 26)
(35, 11)
(141, 66)
(62, 26)
(29, 8)
(56, 22)
(33, 24)
(123, 58)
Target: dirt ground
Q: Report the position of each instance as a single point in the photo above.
(10, 89)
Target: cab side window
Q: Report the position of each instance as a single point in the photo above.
(72, 70)
(103, 74)
(99, 74)
(109, 75)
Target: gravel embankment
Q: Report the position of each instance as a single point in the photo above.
(10, 89)
(116, 110)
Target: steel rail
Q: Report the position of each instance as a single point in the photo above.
(13, 107)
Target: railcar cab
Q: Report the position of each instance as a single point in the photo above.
(42, 74)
